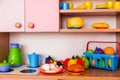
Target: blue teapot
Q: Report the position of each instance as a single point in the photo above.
(34, 60)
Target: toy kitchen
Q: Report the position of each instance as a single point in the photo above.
(15, 66)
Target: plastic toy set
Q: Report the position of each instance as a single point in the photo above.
(103, 60)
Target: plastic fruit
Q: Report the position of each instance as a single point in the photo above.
(75, 23)
(66, 62)
(72, 61)
(49, 59)
(99, 50)
(80, 61)
(109, 50)
(86, 61)
(90, 51)
(93, 62)
(109, 63)
(103, 63)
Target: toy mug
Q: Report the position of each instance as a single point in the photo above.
(88, 4)
(110, 4)
(70, 5)
(64, 6)
(116, 5)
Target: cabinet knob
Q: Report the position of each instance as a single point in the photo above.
(18, 25)
(31, 25)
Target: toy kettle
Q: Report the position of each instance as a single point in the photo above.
(15, 57)
(34, 60)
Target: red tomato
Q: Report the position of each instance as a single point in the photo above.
(80, 61)
(66, 62)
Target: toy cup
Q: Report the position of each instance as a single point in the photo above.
(116, 5)
(110, 4)
(64, 6)
(88, 4)
(70, 5)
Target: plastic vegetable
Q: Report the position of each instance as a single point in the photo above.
(73, 60)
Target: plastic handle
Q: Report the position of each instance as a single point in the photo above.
(40, 58)
(104, 42)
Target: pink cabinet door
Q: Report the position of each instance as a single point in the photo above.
(11, 15)
(42, 15)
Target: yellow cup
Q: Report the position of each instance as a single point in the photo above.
(110, 4)
(70, 5)
(116, 5)
(88, 4)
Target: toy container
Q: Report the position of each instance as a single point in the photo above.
(103, 61)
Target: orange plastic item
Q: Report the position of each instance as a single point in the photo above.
(109, 50)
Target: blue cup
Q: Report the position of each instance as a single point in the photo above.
(64, 6)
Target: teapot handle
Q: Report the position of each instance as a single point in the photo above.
(40, 58)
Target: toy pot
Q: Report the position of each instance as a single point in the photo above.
(5, 67)
(34, 60)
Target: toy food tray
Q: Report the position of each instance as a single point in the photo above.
(103, 61)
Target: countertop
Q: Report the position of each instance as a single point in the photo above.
(90, 74)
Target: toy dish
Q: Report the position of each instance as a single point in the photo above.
(51, 71)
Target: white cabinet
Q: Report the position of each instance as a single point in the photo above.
(11, 15)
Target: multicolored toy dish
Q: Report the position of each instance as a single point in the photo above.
(103, 60)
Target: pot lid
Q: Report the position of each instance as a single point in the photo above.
(4, 63)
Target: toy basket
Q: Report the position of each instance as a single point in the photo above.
(103, 61)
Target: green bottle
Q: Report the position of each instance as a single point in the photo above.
(15, 55)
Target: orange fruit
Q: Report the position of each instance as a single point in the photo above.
(109, 50)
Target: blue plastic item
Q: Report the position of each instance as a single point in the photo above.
(64, 6)
(99, 58)
(14, 45)
(34, 60)
(103, 61)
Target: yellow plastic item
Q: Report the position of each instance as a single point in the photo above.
(80, 7)
(100, 25)
(109, 63)
(72, 61)
(101, 6)
(88, 4)
(110, 4)
(75, 22)
(116, 5)
(70, 5)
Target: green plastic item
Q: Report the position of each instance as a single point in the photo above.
(4, 63)
(15, 56)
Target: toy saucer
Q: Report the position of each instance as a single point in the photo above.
(51, 71)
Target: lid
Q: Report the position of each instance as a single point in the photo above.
(33, 54)
(4, 63)
(14, 45)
